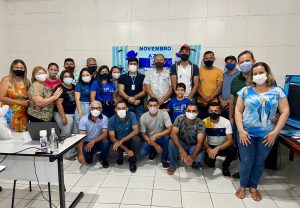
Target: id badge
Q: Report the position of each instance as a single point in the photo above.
(132, 87)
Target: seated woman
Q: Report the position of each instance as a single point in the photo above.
(14, 92)
(103, 90)
(82, 95)
(52, 80)
(41, 97)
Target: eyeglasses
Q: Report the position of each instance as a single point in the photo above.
(96, 108)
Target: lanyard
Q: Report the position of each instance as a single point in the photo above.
(133, 79)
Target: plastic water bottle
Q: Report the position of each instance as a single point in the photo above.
(53, 139)
(44, 141)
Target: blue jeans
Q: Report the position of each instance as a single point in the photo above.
(85, 108)
(102, 146)
(146, 148)
(137, 110)
(174, 153)
(252, 162)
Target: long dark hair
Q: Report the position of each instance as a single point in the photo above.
(80, 76)
(99, 78)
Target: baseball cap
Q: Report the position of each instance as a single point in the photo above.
(186, 46)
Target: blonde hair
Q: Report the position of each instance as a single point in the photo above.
(11, 77)
(270, 78)
(35, 70)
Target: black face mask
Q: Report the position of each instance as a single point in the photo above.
(208, 63)
(159, 65)
(104, 76)
(214, 116)
(92, 69)
(184, 57)
(19, 73)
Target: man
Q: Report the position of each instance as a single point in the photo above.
(187, 136)
(94, 125)
(228, 76)
(155, 127)
(131, 88)
(157, 82)
(245, 61)
(185, 72)
(122, 127)
(219, 140)
(210, 85)
(91, 64)
(69, 64)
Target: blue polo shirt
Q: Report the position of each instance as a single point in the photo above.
(91, 128)
(122, 127)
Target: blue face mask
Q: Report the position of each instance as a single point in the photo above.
(246, 66)
(230, 66)
(68, 80)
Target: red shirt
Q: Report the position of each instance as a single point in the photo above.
(52, 84)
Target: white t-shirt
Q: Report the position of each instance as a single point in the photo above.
(184, 76)
(216, 132)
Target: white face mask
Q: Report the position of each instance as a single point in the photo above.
(132, 68)
(191, 116)
(86, 79)
(116, 75)
(259, 78)
(121, 113)
(41, 77)
(95, 113)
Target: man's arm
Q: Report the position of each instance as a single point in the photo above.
(149, 91)
(140, 94)
(163, 133)
(121, 89)
(175, 138)
(134, 132)
(231, 109)
(218, 90)
(174, 82)
(113, 140)
(195, 87)
(197, 150)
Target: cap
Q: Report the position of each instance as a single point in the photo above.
(186, 46)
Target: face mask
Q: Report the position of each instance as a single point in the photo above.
(214, 116)
(208, 63)
(132, 68)
(191, 116)
(159, 65)
(104, 76)
(260, 78)
(19, 73)
(86, 79)
(116, 75)
(184, 57)
(246, 66)
(53, 74)
(95, 113)
(121, 113)
(230, 67)
(92, 69)
(70, 68)
(68, 80)
(41, 77)
(153, 110)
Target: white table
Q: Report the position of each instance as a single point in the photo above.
(20, 166)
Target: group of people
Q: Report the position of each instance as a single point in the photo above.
(182, 113)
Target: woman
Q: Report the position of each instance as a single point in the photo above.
(82, 94)
(14, 92)
(41, 97)
(115, 73)
(65, 105)
(52, 81)
(103, 90)
(255, 109)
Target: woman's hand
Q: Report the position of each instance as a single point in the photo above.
(58, 92)
(270, 138)
(244, 137)
(64, 121)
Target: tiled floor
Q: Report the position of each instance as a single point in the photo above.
(150, 186)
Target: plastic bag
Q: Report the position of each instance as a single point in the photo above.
(5, 132)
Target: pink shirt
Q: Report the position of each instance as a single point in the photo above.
(52, 84)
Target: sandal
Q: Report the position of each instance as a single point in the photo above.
(240, 193)
(256, 196)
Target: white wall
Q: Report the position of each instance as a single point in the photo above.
(42, 31)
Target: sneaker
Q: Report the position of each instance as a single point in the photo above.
(132, 167)
(165, 164)
(171, 171)
(120, 161)
(226, 173)
(236, 175)
(104, 164)
(196, 165)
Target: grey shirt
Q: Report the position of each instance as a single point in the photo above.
(226, 86)
(152, 125)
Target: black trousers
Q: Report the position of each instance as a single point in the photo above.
(129, 144)
(229, 153)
